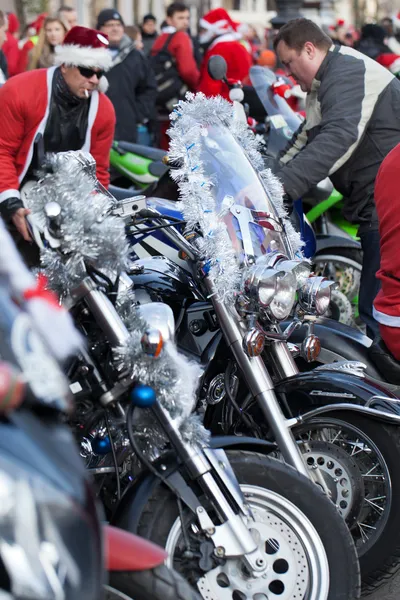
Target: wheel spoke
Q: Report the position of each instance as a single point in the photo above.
(371, 470)
(336, 437)
(362, 527)
(355, 446)
(375, 506)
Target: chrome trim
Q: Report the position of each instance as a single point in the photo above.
(371, 412)
(350, 367)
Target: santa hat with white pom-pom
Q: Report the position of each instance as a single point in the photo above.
(84, 47)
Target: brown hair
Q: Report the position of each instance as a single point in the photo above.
(176, 7)
(2, 18)
(41, 55)
(299, 31)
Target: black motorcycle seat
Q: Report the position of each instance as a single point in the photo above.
(122, 193)
(144, 151)
(385, 362)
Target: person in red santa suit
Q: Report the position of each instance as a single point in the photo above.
(65, 106)
(387, 200)
(10, 48)
(218, 34)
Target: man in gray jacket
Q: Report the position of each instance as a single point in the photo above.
(352, 123)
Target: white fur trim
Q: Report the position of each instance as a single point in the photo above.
(228, 37)
(395, 66)
(217, 27)
(94, 107)
(82, 56)
(103, 85)
(384, 319)
(9, 194)
(42, 124)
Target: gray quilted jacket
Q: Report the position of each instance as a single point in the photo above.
(353, 121)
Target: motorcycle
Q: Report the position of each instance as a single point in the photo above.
(51, 541)
(234, 522)
(135, 165)
(335, 413)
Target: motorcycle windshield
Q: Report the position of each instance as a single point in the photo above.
(283, 121)
(242, 201)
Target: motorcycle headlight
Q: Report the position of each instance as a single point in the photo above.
(315, 295)
(44, 539)
(261, 284)
(283, 300)
(300, 268)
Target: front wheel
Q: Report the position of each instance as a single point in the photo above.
(160, 583)
(306, 544)
(359, 459)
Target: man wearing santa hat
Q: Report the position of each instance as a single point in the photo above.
(218, 34)
(65, 107)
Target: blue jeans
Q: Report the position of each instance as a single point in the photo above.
(369, 285)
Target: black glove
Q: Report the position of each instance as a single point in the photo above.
(9, 207)
(288, 203)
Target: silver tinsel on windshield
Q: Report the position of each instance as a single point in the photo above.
(90, 235)
(275, 191)
(197, 202)
(89, 232)
(189, 122)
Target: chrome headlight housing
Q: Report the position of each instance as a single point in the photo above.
(301, 269)
(272, 282)
(315, 295)
(261, 284)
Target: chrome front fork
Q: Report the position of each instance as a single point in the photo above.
(260, 386)
(231, 536)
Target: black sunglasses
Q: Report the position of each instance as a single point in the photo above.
(88, 73)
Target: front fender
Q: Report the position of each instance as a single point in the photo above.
(318, 391)
(339, 342)
(326, 242)
(129, 510)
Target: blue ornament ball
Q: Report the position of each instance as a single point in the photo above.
(101, 445)
(143, 396)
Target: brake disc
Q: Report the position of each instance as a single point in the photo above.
(341, 475)
(287, 574)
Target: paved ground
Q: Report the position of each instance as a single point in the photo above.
(389, 592)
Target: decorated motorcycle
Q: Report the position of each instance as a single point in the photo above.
(51, 544)
(233, 523)
(229, 310)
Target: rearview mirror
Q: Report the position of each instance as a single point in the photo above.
(217, 68)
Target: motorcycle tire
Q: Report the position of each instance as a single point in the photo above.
(160, 583)
(379, 561)
(259, 474)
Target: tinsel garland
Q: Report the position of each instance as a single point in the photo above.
(172, 376)
(189, 122)
(89, 233)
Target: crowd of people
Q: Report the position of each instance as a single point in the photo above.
(82, 88)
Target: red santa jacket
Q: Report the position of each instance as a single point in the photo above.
(11, 52)
(181, 48)
(237, 58)
(25, 102)
(387, 200)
